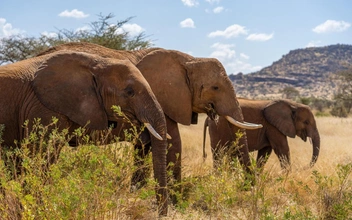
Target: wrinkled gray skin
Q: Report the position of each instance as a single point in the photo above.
(280, 119)
(78, 88)
(184, 86)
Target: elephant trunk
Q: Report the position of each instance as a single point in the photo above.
(243, 151)
(155, 118)
(159, 148)
(316, 147)
(159, 167)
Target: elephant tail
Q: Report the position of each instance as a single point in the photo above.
(204, 138)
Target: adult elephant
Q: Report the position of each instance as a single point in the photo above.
(184, 86)
(79, 89)
(280, 119)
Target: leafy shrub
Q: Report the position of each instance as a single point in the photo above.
(44, 178)
(339, 111)
(322, 114)
(93, 182)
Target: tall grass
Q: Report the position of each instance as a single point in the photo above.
(93, 182)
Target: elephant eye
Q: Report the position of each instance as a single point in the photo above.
(306, 122)
(215, 87)
(129, 91)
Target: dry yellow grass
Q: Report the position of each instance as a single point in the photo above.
(303, 193)
(336, 148)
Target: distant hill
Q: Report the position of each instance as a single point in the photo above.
(308, 70)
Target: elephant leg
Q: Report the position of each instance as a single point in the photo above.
(218, 154)
(174, 156)
(244, 159)
(283, 153)
(244, 154)
(174, 150)
(278, 142)
(263, 156)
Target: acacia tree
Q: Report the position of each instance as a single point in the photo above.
(289, 92)
(344, 96)
(102, 32)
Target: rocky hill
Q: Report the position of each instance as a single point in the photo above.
(308, 70)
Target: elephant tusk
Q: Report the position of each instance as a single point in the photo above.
(152, 131)
(245, 125)
(168, 136)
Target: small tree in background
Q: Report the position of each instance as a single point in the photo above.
(290, 93)
(344, 96)
(321, 104)
(339, 110)
(306, 100)
(102, 32)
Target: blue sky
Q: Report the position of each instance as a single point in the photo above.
(245, 35)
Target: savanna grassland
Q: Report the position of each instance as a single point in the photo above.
(91, 182)
(320, 192)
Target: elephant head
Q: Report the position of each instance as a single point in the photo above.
(198, 85)
(83, 86)
(294, 119)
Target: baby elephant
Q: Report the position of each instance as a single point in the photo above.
(280, 118)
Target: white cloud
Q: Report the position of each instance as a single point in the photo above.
(132, 29)
(49, 34)
(260, 37)
(213, 1)
(231, 31)
(227, 56)
(7, 30)
(187, 23)
(331, 26)
(218, 9)
(190, 3)
(244, 56)
(314, 44)
(223, 51)
(73, 14)
(237, 66)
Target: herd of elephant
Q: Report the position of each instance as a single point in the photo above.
(156, 88)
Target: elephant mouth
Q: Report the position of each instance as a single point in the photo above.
(303, 135)
(211, 112)
(126, 117)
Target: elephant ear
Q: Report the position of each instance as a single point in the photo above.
(280, 114)
(164, 71)
(65, 84)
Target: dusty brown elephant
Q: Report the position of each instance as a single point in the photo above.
(184, 86)
(80, 88)
(280, 118)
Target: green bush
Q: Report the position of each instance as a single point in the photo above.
(44, 178)
(93, 182)
(322, 114)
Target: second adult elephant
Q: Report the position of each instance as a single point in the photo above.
(184, 86)
(280, 119)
